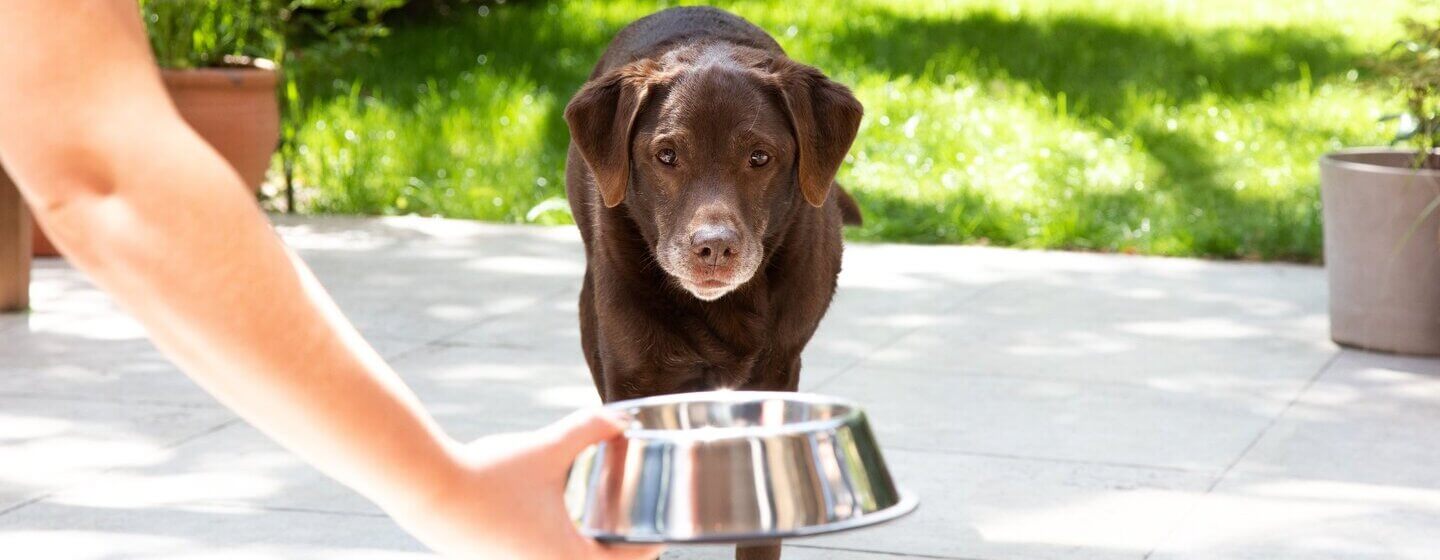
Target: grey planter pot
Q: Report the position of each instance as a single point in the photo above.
(1382, 250)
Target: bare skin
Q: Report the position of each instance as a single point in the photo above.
(157, 219)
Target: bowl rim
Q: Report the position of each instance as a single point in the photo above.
(853, 412)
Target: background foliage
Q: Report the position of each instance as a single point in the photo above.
(202, 33)
(1155, 126)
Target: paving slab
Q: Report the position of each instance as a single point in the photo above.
(70, 532)
(990, 507)
(1168, 323)
(1111, 423)
(791, 552)
(1258, 517)
(49, 444)
(1044, 405)
(1369, 419)
(233, 467)
(421, 280)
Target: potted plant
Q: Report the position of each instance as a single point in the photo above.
(215, 58)
(1382, 230)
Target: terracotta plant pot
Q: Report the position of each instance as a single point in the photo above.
(1382, 250)
(234, 109)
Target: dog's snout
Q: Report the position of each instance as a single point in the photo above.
(715, 245)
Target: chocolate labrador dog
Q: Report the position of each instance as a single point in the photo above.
(701, 174)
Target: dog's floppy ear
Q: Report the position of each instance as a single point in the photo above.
(825, 117)
(601, 116)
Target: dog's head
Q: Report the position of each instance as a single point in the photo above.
(711, 149)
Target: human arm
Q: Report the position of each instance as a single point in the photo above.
(155, 217)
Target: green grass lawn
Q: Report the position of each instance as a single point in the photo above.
(1155, 126)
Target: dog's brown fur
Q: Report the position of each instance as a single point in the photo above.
(711, 90)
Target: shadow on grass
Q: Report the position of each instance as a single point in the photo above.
(1094, 62)
(522, 43)
(1101, 68)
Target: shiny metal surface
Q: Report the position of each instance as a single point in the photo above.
(734, 466)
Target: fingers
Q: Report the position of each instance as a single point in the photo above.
(581, 429)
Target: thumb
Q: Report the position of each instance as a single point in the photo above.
(579, 430)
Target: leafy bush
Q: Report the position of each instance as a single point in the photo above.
(338, 24)
(207, 33)
(1412, 66)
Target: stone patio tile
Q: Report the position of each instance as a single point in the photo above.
(1200, 325)
(887, 291)
(1178, 428)
(1257, 517)
(551, 325)
(75, 367)
(498, 388)
(11, 320)
(236, 466)
(424, 279)
(792, 552)
(884, 292)
(473, 392)
(551, 330)
(1370, 419)
(240, 466)
(105, 357)
(1044, 405)
(69, 532)
(78, 344)
(507, 388)
(224, 532)
(972, 507)
(998, 508)
(47, 444)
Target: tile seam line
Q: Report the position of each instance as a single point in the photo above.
(290, 509)
(884, 552)
(45, 396)
(1320, 372)
(170, 445)
(25, 503)
(901, 336)
(453, 333)
(1088, 382)
(1061, 460)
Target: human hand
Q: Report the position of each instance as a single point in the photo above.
(507, 498)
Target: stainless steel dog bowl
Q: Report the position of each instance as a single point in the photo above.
(732, 467)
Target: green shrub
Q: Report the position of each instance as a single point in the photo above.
(1412, 66)
(207, 33)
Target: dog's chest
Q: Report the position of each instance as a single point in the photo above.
(727, 342)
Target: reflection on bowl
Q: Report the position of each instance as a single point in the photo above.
(734, 466)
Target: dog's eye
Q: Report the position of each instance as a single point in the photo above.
(666, 156)
(759, 158)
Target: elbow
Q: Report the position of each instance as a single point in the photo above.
(62, 180)
(65, 202)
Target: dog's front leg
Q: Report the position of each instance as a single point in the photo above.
(757, 552)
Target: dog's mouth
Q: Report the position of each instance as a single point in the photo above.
(709, 285)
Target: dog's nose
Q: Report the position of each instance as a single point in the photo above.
(715, 245)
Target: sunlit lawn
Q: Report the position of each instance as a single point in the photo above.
(1166, 127)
